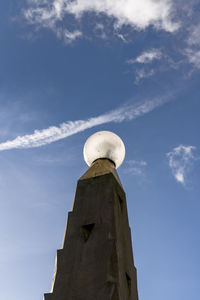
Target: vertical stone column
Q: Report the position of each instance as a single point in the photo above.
(96, 260)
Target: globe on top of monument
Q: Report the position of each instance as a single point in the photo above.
(104, 144)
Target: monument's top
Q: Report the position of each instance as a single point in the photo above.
(104, 144)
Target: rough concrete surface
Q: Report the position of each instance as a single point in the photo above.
(96, 260)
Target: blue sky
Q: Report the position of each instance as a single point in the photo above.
(69, 69)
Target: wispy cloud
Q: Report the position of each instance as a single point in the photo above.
(53, 133)
(138, 14)
(180, 161)
(147, 57)
(142, 73)
(135, 167)
(192, 49)
(152, 61)
(193, 56)
(194, 35)
(48, 14)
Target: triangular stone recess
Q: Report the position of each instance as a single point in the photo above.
(86, 231)
(121, 203)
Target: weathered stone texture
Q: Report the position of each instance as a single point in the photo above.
(96, 261)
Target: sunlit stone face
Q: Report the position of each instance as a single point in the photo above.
(104, 144)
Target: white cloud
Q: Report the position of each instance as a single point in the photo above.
(135, 167)
(147, 57)
(194, 35)
(192, 51)
(48, 14)
(70, 36)
(138, 14)
(53, 133)
(142, 73)
(152, 61)
(100, 31)
(180, 161)
(193, 56)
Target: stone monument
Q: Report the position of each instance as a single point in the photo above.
(96, 259)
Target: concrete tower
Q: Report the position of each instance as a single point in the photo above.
(96, 259)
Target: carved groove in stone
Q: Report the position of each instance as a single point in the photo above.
(128, 279)
(115, 295)
(110, 291)
(120, 203)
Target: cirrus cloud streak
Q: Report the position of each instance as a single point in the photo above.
(53, 133)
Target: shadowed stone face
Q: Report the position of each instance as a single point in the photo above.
(96, 260)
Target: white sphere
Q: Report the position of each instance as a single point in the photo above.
(104, 144)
